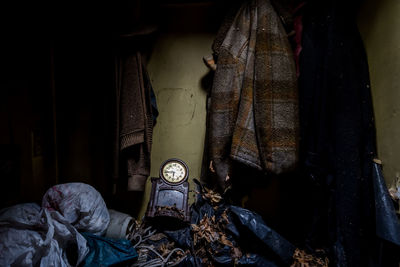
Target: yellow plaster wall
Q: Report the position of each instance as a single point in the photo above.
(176, 69)
(379, 23)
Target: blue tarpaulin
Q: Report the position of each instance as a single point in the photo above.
(106, 251)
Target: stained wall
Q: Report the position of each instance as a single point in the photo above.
(379, 24)
(179, 78)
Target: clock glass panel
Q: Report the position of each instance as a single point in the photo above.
(171, 198)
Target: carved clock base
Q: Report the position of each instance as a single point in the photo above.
(168, 200)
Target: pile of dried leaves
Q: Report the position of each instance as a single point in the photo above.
(170, 211)
(210, 235)
(212, 196)
(302, 259)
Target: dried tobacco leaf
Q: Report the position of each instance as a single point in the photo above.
(168, 210)
(165, 249)
(225, 241)
(224, 216)
(214, 197)
(236, 253)
(303, 259)
(157, 237)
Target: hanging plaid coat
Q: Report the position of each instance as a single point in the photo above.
(254, 105)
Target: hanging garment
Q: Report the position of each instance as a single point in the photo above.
(254, 107)
(134, 120)
(337, 132)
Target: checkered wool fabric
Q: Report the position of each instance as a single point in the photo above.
(254, 102)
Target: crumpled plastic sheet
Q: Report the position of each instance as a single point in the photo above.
(387, 224)
(257, 227)
(31, 235)
(107, 251)
(264, 246)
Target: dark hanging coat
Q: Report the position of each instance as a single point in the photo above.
(337, 131)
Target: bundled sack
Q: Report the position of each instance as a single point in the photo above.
(80, 204)
(31, 235)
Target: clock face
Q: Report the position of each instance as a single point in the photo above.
(174, 171)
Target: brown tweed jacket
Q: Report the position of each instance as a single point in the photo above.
(254, 102)
(133, 122)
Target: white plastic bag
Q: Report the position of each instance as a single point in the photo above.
(30, 236)
(80, 204)
(48, 236)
